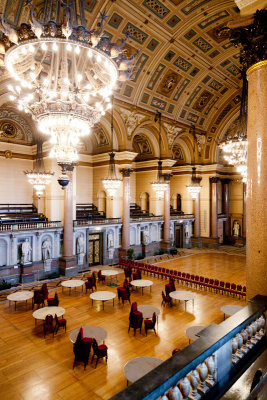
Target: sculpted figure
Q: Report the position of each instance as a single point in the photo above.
(47, 250)
(80, 244)
(26, 251)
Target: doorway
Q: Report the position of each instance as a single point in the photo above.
(95, 252)
(179, 236)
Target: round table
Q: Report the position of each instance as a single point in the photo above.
(22, 295)
(138, 367)
(73, 283)
(142, 283)
(192, 332)
(41, 313)
(230, 309)
(110, 273)
(102, 295)
(96, 332)
(148, 311)
(183, 295)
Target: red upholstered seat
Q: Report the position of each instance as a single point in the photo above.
(137, 274)
(135, 318)
(150, 324)
(53, 301)
(176, 350)
(101, 278)
(48, 324)
(38, 298)
(166, 299)
(60, 323)
(88, 286)
(81, 349)
(92, 280)
(100, 351)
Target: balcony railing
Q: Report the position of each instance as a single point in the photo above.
(208, 367)
(183, 217)
(147, 218)
(102, 221)
(30, 225)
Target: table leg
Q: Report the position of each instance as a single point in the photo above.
(103, 304)
(35, 321)
(113, 302)
(185, 305)
(69, 291)
(92, 302)
(150, 289)
(9, 303)
(224, 316)
(15, 305)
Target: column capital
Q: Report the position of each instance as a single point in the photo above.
(251, 35)
(214, 179)
(126, 172)
(226, 181)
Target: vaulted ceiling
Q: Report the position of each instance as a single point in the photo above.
(185, 68)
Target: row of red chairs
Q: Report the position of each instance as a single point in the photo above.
(186, 278)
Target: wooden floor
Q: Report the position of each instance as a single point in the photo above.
(32, 367)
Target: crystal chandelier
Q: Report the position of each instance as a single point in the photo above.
(38, 177)
(160, 186)
(194, 187)
(63, 73)
(111, 183)
(235, 148)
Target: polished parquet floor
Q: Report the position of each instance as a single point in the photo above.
(33, 367)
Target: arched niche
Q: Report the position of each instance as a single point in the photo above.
(144, 201)
(102, 201)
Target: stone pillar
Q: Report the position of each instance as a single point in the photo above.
(244, 232)
(126, 172)
(214, 207)
(197, 216)
(225, 208)
(67, 262)
(256, 181)
(166, 232)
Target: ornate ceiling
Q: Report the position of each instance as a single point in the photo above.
(184, 68)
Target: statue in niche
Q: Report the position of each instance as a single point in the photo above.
(26, 250)
(171, 232)
(47, 250)
(110, 240)
(236, 228)
(146, 237)
(80, 244)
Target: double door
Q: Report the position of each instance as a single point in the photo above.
(95, 252)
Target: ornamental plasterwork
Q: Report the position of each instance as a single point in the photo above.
(172, 133)
(131, 119)
(201, 140)
(13, 126)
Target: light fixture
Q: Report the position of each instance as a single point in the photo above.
(235, 148)
(160, 186)
(194, 187)
(38, 177)
(111, 183)
(63, 73)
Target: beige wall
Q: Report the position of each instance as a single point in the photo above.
(236, 198)
(84, 184)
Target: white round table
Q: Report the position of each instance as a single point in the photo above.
(183, 295)
(230, 309)
(96, 332)
(22, 295)
(148, 311)
(102, 295)
(110, 273)
(138, 367)
(192, 332)
(41, 313)
(72, 283)
(142, 283)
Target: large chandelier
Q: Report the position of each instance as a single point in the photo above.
(111, 183)
(235, 148)
(160, 186)
(194, 187)
(63, 73)
(38, 177)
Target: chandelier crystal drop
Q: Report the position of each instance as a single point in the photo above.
(235, 148)
(63, 74)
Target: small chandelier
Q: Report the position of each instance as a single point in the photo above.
(235, 148)
(63, 74)
(160, 186)
(111, 183)
(38, 177)
(194, 187)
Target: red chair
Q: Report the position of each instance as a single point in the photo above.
(60, 323)
(92, 279)
(101, 278)
(48, 324)
(53, 301)
(150, 324)
(126, 296)
(211, 284)
(176, 350)
(44, 290)
(38, 298)
(127, 272)
(81, 350)
(100, 351)
(135, 318)
(137, 274)
(88, 285)
(222, 285)
(165, 299)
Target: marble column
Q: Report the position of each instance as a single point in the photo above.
(244, 230)
(126, 172)
(225, 201)
(197, 216)
(256, 181)
(68, 261)
(214, 207)
(166, 232)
